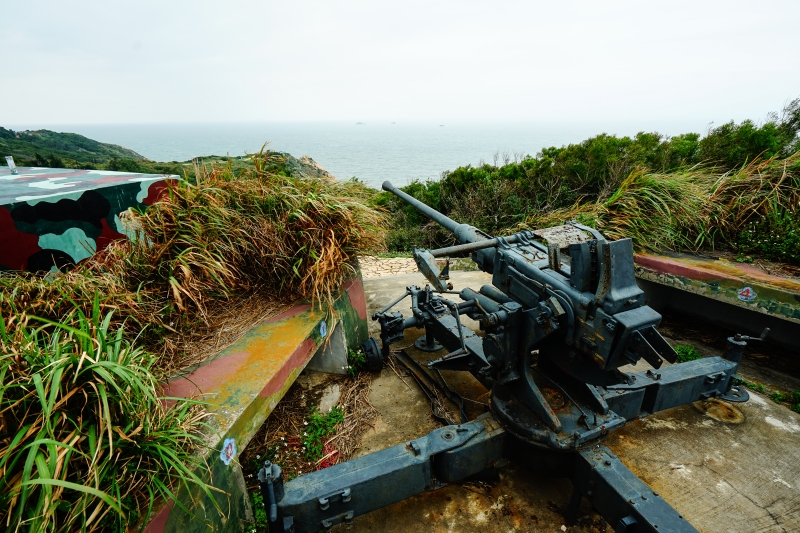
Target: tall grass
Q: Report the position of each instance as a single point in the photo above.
(86, 444)
(692, 209)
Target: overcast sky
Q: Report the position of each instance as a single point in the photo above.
(184, 61)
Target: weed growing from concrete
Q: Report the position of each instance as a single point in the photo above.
(261, 521)
(686, 353)
(355, 361)
(318, 427)
(758, 387)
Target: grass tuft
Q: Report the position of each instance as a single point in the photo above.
(85, 441)
(686, 353)
(752, 209)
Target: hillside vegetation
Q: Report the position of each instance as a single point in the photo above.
(45, 144)
(45, 148)
(735, 188)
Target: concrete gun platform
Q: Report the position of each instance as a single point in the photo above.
(726, 468)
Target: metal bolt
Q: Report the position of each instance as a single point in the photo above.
(608, 462)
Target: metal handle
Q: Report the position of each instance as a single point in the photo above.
(740, 337)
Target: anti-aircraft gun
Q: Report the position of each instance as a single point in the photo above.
(562, 321)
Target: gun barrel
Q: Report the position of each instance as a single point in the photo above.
(429, 212)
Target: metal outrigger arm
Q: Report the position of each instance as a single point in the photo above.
(338, 494)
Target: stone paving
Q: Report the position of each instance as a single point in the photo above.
(377, 267)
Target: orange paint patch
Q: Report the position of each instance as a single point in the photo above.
(298, 358)
(207, 377)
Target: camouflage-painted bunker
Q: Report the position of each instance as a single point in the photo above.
(53, 217)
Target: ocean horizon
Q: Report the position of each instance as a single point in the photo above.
(372, 151)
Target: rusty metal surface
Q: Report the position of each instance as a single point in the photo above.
(563, 236)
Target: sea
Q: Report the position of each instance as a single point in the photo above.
(372, 151)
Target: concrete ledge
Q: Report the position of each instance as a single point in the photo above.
(736, 296)
(737, 284)
(242, 385)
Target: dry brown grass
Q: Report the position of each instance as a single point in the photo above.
(251, 241)
(689, 209)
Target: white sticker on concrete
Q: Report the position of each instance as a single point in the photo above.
(746, 294)
(228, 451)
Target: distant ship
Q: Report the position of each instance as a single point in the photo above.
(360, 124)
(441, 125)
(394, 122)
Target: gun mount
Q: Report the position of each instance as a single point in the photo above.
(561, 320)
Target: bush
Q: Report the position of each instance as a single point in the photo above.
(686, 353)
(124, 165)
(775, 237)
(731, 172)
(206, 242)
(318, 427)
(356, 360)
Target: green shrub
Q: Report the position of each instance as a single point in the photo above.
(734, 175)
(261, 519)
(686, 353)
(355, 361)
(317, 428)
(774, 237)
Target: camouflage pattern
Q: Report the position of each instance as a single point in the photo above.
(51, 217)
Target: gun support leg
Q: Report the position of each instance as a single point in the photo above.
(427, 342)
(337, 494)
(622, 498)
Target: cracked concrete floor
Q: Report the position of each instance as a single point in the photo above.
(732, 469)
